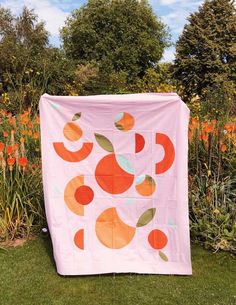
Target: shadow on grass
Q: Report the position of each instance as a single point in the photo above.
(47, 243)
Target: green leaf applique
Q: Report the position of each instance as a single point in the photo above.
(104, 142)
(146, 217)
(76, 116)
(163, 256)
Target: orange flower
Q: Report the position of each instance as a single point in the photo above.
(24, 119)
(204, 137)
(223, 148)
(22, 161)
(209, 128)
(9, 150)
(15, 146)
(5, 134)
(22, 140)
(227, 127)
(214, 121)
(2, 145)
(12, 121)
(3, 112)
(24, 132)
(35, 135)
(11, 161)
(230, 127)
(195, 122)
(30, 125)
(9, 115)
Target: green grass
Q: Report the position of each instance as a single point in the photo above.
(28, 276)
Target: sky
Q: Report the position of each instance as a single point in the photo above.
(54, 12)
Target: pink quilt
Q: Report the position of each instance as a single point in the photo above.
(115, 182)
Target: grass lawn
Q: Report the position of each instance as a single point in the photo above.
(28, 276)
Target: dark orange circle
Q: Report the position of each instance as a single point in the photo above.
(111, 177)
(84, 194)
(79, 239)
(157, 239)
(139, 142)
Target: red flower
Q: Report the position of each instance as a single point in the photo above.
(209, 128)
(10, 150)
(5, 134)
(11, 161)
(22, 161)
(2, 145)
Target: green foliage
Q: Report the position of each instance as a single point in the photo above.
(212, 164)
(156, 80)
(123, 38)
(206, 53)
(21, 191)
(89, 80)
(21, 204)
(128, 43)
(213, 212)
(29, 67)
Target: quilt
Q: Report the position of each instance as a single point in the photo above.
(115, 178)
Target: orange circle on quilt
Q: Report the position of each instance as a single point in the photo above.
(84, 194)
(79, 239)
(124, 121)
(111, 231)
(147, 187)
(72, 131)
(111, 177)
(139, 142)
(157, 239)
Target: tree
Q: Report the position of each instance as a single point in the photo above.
(22, 41)
(23, 36)
(156, 80)
(123, 37)
(206, 51)
(29, 66)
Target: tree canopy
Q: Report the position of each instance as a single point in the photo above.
(206, 50)
(29, 66)
(122, 37)
(22, 35)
